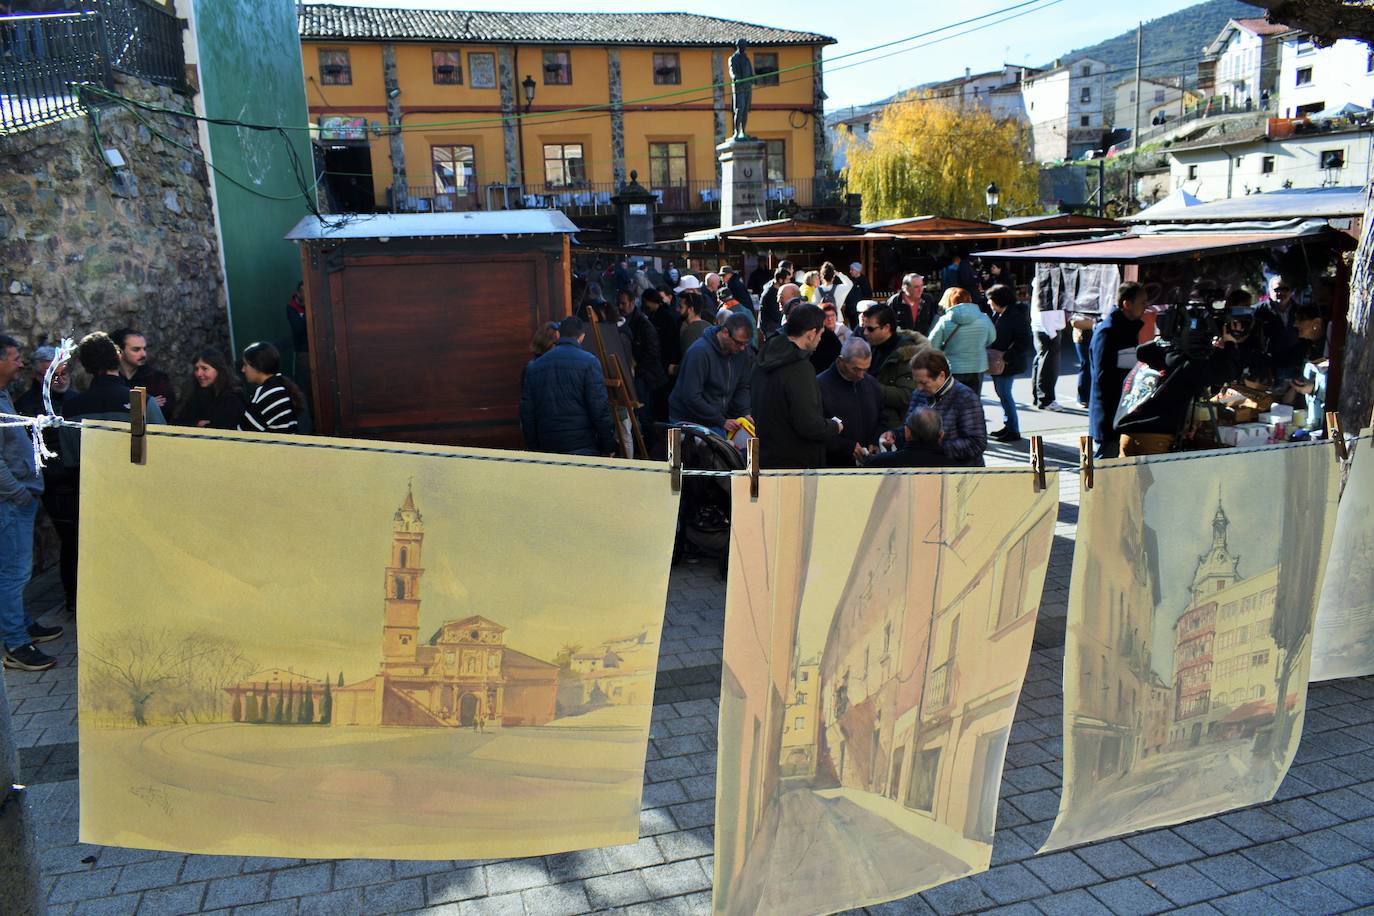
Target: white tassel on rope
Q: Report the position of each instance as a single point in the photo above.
(49, 417)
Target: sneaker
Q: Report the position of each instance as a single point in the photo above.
(1052, 405)
(39, 633)
(27, 658)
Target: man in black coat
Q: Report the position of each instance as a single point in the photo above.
(657, 306)
(649, 373)
(913, 307)
(855, 398)
(792, 428)
(1111, 355)
(770, 309)
(922, 432)
(1012, 322)
(860, 291)
(563, 405)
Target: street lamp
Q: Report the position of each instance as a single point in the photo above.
(992, 195)
(528, 85)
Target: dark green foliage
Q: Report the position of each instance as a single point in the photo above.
(340, 679)
(290, 714)
(280, 707)
(326, 704)
(252, 713)
(305, 714)
(238, 708)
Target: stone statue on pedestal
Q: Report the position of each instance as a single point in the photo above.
(741, 88)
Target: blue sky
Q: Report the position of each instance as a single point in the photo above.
(1035, 38)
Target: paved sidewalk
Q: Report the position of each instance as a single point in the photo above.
(1310, 851)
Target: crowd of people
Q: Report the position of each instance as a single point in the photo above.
(113, 364)
(824, 374)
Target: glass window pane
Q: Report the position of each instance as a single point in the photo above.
(448, 67)
(335, 69)
(557, 68)
(666, 69)
(776, 154)
(765, 69)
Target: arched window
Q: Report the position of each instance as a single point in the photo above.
(400, 587)
(403, 557)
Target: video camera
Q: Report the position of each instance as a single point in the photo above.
(1190, 328)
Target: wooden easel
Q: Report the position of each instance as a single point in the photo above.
(619, 391)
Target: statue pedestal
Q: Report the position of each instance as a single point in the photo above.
(743, 181)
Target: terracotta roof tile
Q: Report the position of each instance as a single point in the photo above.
(364, 23)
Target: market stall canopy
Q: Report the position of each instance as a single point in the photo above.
(434, 225)
(1288, 203)
(1145, 248)
(1053, 221)
(774, 228)
(922, 225)
(1174, 202)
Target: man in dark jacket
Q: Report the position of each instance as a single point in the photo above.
(849, 393)
(649, 372)
(735, 281)
(860, 291)
(657, 306)
(563, 406)
(770, 308)
(1111, 354)
(892, 352)
(792, 428)
(1011, 319)
(134, 367)
(712, 387)
(913, 307)
(828, 350)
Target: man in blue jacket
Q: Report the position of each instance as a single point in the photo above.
(563, 406)
(713, 384)
(1111, 355)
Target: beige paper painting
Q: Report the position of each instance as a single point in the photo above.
(1189, 639)
(305, 650)
(1343, 641)
(877, 633)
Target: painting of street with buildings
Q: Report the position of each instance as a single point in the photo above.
(349, 654)
(877, 633)
(1190, 635)
(1343, 641)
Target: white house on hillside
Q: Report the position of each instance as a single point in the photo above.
(1157, 97)
(1313, 79)
(1246, 52)
(1064, 106)
(1250, 163)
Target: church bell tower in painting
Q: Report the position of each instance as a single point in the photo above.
(401, 616)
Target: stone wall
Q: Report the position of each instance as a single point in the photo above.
(84, 250)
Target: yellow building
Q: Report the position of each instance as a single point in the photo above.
(470, 110)
(799, 733)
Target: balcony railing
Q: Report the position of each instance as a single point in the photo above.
(941, 686)
(595, 198)
(45, 58)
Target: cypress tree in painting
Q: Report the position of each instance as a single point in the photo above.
(340, 684)
(306, 713)
(238, 708)
(250, 713)
(290, 704)
(326, 704)
(280, 707)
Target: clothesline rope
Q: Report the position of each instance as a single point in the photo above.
(48, 420)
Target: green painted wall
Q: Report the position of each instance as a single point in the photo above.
(250, 70)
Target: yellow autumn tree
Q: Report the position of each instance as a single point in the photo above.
(923, 157)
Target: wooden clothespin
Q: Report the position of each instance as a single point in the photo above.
(1085, 461)
(1037, 457)
(753, 454)
(1336, 434)
(138, 426)
(675, 459)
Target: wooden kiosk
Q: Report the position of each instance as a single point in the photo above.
(420, 323)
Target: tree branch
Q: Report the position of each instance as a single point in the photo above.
(1327, 20)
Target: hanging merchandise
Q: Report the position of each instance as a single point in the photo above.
(322, 648)
(877, 632)
(1343, 642)
(1194, 586)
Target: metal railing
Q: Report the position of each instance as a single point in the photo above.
(144, 40)
(595, 198)
(41, 60)
(44, 58)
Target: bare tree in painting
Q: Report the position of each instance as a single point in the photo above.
(185, 673)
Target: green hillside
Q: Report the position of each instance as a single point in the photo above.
(1171, 44)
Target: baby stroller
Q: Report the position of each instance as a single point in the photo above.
(703, 517)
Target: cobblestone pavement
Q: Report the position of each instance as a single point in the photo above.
(1309, 851)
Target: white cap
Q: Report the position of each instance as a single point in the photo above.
(865, 304)
(856, 266)
(687, 282)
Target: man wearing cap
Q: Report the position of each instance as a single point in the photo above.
(861, 290)
(735, 281)
(563, 406)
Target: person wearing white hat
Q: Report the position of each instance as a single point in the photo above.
(687, 282)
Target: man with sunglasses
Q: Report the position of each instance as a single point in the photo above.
(713, 382)
(1276, 319)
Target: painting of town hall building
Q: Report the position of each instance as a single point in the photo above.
(1190, 636)
(877, 633)
(358, 654)
(1343, 642)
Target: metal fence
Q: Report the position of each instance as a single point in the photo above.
(44, 58)
(41, 57)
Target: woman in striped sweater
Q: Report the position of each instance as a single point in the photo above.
(276, 403)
